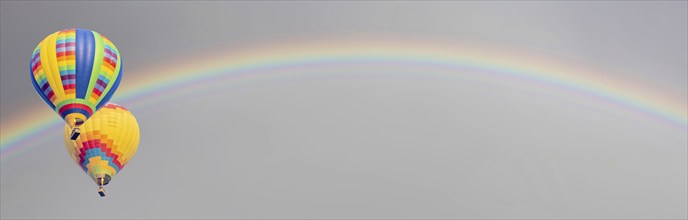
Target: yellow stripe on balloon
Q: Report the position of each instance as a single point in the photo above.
(96, 165)
(67, 62)
(49, 63)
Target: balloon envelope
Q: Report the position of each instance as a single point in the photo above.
(75, 71)
(108, 141)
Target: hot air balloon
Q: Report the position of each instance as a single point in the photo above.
(76, 71)
(108, 141)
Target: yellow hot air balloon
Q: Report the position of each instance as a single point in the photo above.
(107, 142)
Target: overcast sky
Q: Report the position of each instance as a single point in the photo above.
(363, 147)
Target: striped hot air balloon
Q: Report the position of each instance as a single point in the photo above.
(108, 141)
(76, 71)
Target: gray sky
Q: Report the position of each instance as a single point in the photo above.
(364, 147)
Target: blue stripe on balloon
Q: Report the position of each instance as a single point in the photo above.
(112, 90)
(85, 53)
(109, 56)
(99, 87)
(94, 152)
(104, 79)
(45, 87)
(75, 110)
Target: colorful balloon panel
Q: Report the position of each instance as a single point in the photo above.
(108, 141)
(76, 71)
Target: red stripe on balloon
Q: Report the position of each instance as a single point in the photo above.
(111, 53)
(114, 106)
(75, 105)
(97, 92)
(36, 66)
(70, 76)
(91, 144)
(101, 83)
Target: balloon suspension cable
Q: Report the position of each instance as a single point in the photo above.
(101, 190)
(102, 180)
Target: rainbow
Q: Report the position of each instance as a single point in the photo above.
(256, 62)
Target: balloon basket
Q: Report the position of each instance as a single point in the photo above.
(75, 133)
(101, 191)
